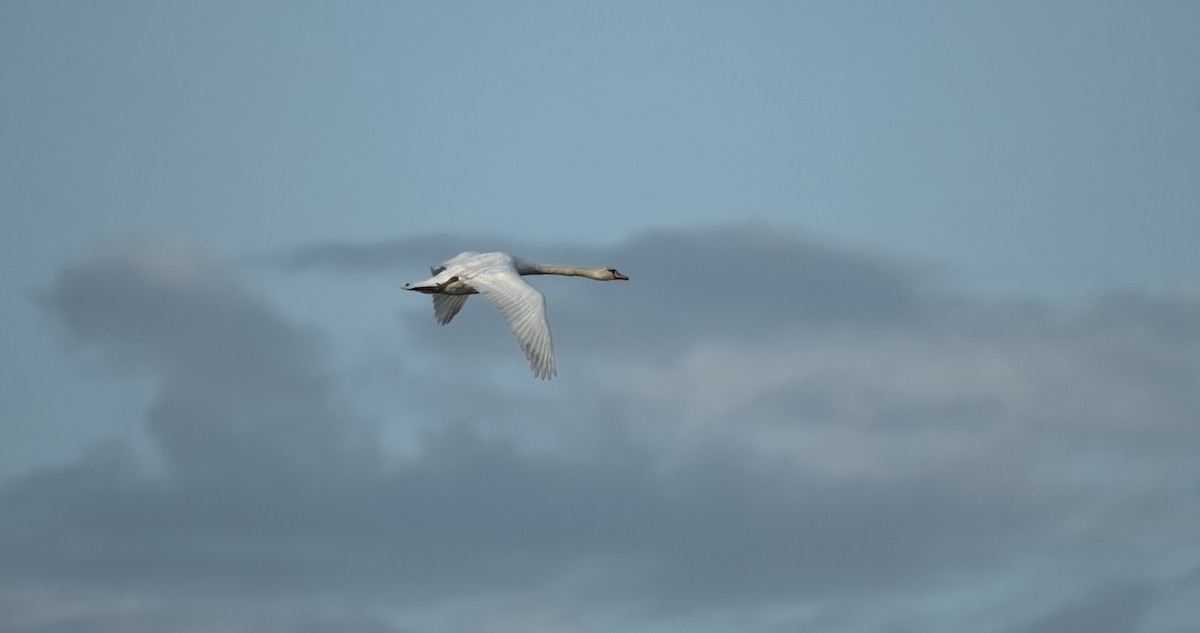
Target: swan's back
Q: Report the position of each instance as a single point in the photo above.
(468, 262)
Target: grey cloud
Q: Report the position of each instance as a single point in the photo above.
(478, 518)
(819, 462)
(239, 385)
(762, 275)
(126, 616)
(1117, 608)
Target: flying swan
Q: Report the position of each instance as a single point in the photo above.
(497, 276)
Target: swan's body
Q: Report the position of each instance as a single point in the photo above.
(497, 276)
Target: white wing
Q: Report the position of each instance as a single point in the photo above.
(525, 309)
(446, 306)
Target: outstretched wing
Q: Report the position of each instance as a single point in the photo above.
(525, 309)
(446, 306)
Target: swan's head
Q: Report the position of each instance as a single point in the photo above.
(612, 273)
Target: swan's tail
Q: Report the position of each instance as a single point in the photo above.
(431, 285)
(427, 287)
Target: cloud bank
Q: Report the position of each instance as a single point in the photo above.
(759, 432)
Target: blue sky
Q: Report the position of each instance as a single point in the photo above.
(1045, 146)
(911, 320)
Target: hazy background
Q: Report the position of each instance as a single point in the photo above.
(911, 341)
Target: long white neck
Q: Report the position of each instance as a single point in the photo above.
(530, 268)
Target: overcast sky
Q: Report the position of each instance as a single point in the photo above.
(911, 342)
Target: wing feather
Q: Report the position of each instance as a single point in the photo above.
(446, 306)
(525, 309)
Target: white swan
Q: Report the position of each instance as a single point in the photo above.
(497, 276)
